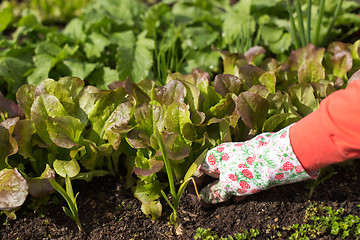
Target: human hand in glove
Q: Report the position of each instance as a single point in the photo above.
(248, 167)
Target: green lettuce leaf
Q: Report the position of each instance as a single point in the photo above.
(147, 194)
(303, 98)
(64, 131)
(70, 168)
(99, 105)
(57, 89)
(153, 208)
(45, 106)
(342, 59)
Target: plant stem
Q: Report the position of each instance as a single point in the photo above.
(292, 26)
(337, 9)
(318, 23)
(309, 22)
(167, 167)
(79, 225)
(301, 22)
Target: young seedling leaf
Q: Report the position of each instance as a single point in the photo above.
(191, 170)
(153, 208)
(72, 211)
(269, 80)
(63, 167)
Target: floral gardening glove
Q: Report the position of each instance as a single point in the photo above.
(248, 167)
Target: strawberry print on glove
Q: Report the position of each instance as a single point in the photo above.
(246, 168)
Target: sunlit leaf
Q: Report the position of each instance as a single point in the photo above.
(302, 96)
(6, 16)
(269, 80)
(13, 189)
(64, 131)
(45, 106)
(70, 168)
(153, 208)
(342, 59)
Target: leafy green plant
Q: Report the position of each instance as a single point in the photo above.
(305, 34)
(68, 195)
(207, 234)
(320, 220)
(147, 131)
(176, 196)
(51, 135)
(58, 11)
(166, 57)
(48, 11)
(115, 40)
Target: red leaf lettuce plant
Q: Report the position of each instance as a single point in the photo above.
(67, 129)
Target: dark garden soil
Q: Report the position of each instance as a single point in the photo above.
(108, 211)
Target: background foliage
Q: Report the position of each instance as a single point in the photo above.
(112, 40)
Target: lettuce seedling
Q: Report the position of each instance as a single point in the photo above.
(176, 196)
(68, 195)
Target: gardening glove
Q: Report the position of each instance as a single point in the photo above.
(248, 167)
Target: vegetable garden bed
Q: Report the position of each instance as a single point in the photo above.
(149, 89)
(110, 212)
